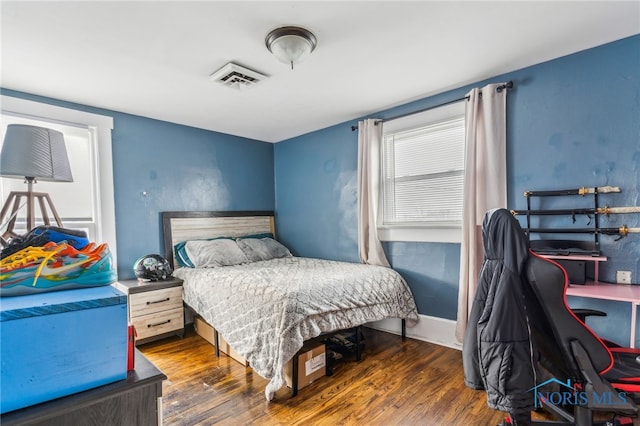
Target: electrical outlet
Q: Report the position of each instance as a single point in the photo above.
(623, 277)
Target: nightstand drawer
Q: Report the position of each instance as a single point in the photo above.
(158, 323)
(150, 302)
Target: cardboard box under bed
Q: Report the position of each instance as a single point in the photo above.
(311, 358)
(59, 343)
(207, 332)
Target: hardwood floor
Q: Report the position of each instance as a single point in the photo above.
(396, 383)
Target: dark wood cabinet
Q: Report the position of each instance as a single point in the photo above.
(137, 400)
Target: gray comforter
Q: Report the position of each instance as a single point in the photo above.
(266, 310)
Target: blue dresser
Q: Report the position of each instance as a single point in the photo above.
(60, 343)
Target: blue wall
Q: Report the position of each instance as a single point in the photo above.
(573, 121)
(179, 168)
(316, 194)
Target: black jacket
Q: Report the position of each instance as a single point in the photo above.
(497, 354)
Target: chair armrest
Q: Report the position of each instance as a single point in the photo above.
(583, 313)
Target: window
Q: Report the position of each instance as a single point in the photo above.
(86, 203)
(76, 210)
(423, 176)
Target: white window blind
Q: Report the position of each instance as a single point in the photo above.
(423, 169)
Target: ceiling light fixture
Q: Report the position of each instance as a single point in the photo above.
(290, 45)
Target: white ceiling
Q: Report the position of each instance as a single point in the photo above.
(154, 58)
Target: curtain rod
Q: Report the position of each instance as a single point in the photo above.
(507, 85)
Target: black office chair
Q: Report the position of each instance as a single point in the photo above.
(603, 379)
(565, 368)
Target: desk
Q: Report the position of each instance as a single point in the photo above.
(617, 292)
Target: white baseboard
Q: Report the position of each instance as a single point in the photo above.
(429, 329)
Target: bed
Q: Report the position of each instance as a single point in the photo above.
(268, 305)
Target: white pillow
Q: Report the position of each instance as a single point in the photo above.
(214, 253)
(262, 249)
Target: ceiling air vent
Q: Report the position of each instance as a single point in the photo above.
(236, 76)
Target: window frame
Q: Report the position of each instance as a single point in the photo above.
(100, 127)
(419, 232)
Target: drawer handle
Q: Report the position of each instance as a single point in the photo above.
(160, 323)
(159, 301)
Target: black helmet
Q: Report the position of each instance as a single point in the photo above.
(152, 267)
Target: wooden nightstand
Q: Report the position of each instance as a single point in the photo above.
(155, 308)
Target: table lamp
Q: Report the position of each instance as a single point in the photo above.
(32, 153)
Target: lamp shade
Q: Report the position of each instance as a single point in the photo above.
(290, 45)
(34, 152)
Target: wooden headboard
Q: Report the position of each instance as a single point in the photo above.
(199, 225)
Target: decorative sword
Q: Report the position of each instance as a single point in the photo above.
(606, 210)
(622, 231)
(576, 191)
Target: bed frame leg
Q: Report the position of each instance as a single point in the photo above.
(294, 375)
(404, 329)
(216, 339)
(358, 350)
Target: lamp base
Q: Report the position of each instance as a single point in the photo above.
(15, 199)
